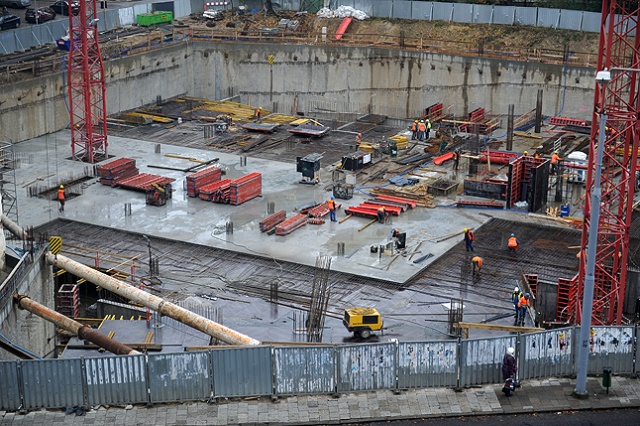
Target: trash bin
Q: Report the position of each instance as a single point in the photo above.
(606, 377)
(565, 209)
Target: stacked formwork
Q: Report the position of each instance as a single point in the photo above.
(217, 192)
(272, 220)
(291, 224)
(143, 182)
(120, 168)
(69, 300)
(198, 180)
(245, 188)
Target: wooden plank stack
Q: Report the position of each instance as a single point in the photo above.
(291, 224)
(245, 188)
(198, 180)
(119, 168)
(272, 220)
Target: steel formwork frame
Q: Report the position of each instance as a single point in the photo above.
(86, 86)
(619, 48)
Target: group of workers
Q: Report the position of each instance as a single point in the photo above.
(520, 303)
(420, 130)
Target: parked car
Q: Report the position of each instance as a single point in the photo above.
(62, 7)
(9, 21)
(39, 15)
(16, 4)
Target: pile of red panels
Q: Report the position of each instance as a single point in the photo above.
(198, 180)
(245, 188)
(272, 220)
(217, 192)
(143, 181)
(320, 210)
(120, 168)
(291, 224)
(370, 209)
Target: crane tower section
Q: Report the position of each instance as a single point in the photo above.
(618, 98)
(86, 86)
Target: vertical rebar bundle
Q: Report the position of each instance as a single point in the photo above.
(320, 293)
(455, 316)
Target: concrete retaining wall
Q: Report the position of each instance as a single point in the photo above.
(384, 81)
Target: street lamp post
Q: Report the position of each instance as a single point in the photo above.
(602, 78)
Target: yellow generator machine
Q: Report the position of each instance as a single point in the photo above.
(362, 321)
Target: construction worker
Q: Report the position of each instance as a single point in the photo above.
(61, 198)
(428, 128)
(555, 159)
(258, 113)
(523, 304)
(382, 214)
(359, 138)
(422, 128)
(332, 208)
(526, 153)
(414, 130)
(513, 243)
(456, 158)
(468, 239)
(515, 298)
(477, 263)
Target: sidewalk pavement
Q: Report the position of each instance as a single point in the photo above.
(534, 396)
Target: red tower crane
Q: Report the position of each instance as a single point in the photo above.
(620, 54)
(86, 86)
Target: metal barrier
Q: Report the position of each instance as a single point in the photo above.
(322, 369)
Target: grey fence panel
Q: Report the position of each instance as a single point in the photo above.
(482, 14)
(442, 11)
(402, 9)
(52, 383)
(382, 9)
(127, 16)
(197, 6)
(570, 19)
(611, 347)
(300, 370)
(24, 38)
(7, 42)
(591, 22)
(504, 15)
(181, 8)
(481, 360)
(427, 364)
(548, 18)
(10, 386)
(242, 371)
(180, 376)
(525, 16)
(366, 367)
(364, 5)
(422, 10)
(463, 13)
(116, 380)
(546, 354)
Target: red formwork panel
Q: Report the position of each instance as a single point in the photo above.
(400, 200)
(119, 168)
(198, 180)
(320, 210)
(217, 192)
(272, 220)
(394, 210)
(245, 188)
(291, 224)
(143, 182)
(566, 121)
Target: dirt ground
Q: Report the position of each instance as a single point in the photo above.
(476, 36)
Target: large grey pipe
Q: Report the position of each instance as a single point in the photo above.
(168, 309)
(14, 228)
(77, 329)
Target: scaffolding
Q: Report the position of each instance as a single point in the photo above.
(8, 181)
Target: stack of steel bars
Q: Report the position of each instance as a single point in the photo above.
(198, 180)
(216, 192)
(120, 168)
(291, 224)
(245, 188)
(272, 220)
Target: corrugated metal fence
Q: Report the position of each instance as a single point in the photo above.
(277, 370)
(49, 32)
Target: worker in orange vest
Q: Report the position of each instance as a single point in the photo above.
(477, 263)
(359, 138)
(456, 158)
(523, 304)
(422, 129)
(414, 130)
(555, 159)
(332, 209)
(61, 197)
(513, 243)
(382, 214)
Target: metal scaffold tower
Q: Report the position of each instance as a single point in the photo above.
(618, 100)
(86, 86)
(8, 181)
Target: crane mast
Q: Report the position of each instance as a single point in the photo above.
(86, 86)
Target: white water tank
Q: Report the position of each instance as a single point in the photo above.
(577, 158)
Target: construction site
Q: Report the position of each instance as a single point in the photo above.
(213, 194)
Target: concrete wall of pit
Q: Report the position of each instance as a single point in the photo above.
(365, 79)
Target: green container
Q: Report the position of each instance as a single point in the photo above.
(155, 18)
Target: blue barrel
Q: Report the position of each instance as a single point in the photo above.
(565, 210)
